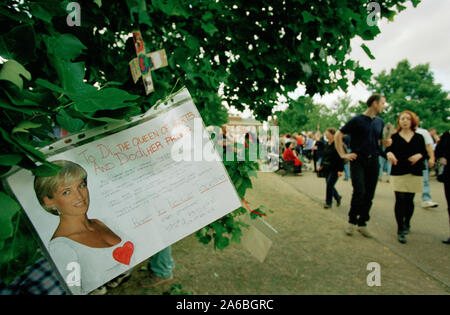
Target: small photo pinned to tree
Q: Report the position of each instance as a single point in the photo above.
(145, 63)
(138, 42)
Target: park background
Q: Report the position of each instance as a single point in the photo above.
(259, 56)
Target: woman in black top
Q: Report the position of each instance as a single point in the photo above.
(407, 155)
(443, 154)
(333, 166)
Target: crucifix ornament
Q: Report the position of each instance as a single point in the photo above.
(143, 64)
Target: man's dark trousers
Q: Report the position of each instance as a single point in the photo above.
(364, 172)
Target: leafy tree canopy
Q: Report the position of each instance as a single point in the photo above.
(413, 88)
(305, 115)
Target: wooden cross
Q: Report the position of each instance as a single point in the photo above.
(144, 63)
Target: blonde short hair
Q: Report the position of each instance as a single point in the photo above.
(47, 186)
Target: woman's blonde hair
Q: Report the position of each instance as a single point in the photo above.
(47, 186)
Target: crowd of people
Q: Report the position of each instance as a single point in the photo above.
(363, 150)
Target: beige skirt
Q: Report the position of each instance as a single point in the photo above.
(407, 183)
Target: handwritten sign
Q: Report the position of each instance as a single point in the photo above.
(137, 190)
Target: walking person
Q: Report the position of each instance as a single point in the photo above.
(318, 150)
(347, 148)
(332, 166)
(427, 202)
(407, 155)
(366, 131)
(433, 133)
(299, 142)
(160, 267)
(443, 154)
(385, 166)
(309, 144)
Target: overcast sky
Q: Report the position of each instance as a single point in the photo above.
(421, 35)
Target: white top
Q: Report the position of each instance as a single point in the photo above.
(97, 265)
(309, 144)
(426, 135)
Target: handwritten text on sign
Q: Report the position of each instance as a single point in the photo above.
(106, 158)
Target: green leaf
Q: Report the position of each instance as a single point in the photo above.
(18, 100)
(27, 110)
(92, 100)
(49, 85)
(220, 242)
(70, 74)
(102, 119)
(389, 14)
(19, 43)
(342, 83)
(46, 170)
(136, 6)
(5, 52)
(24, 126)
(144, 18)
(8, 208)
(241, 189)
(13, 71)
(205, 239)
(27, 148)
(218, 227)
(209, 28)
(254, 215)
(207, 16)
(10, 159)
(236, 236)
(65, 47)
(192, 43)
(259, 74)
(252, 173)
(415, 2)
(308, 17)
(367, 51)
(362, 74)
(400, 7)
(18, 252)
(68, 123)
(15, 15)
(40, 13)
(171, 7)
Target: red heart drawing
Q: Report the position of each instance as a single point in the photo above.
(123, 254)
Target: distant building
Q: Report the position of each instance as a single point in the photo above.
(237, 127)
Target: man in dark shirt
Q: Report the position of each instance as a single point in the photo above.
(366, 131)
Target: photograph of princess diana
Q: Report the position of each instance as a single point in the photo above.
(92, 243)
